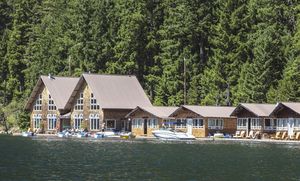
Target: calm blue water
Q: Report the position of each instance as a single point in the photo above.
(80, 159)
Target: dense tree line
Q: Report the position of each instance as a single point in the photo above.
(233, 50)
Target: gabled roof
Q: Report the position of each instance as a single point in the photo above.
(157, 111)
(116, 91)
(60, 89)
(260, 110)
(294, 106)
(208, 111)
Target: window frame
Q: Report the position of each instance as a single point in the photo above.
(93, 103)
(94, 122)
(77, 121)
(37, 120)
(38, 103)
(218, 123)
(51, 104)
(110, 128)
(79, 102)
(52, 121)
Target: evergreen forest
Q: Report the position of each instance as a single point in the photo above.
(200, 52)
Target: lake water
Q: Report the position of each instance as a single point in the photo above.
(81, 159)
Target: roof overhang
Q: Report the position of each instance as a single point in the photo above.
(32, 97)
(183, 108)
(239, 108)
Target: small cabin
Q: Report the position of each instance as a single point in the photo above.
(144, 120)
(255, 117)
(207, 120)
(288, 116)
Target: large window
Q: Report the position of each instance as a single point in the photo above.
(255, 123)
(152, 123)
(79, 102)
(36, 120)
(51, 121)
(110, 124)
(94, 122)
(51, 105)
(78, 121)
(282, 124)
(94, 105)
(242, 123)
(197, 123)
(137, 123)
(297, 124)
(38, 103)
(180, 123)
(215, 123)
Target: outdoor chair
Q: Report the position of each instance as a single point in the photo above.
(251, 134)
(242, 135)
(284, 135)
(277, 136)
(256, 135)
(297, 136)
(237, 134)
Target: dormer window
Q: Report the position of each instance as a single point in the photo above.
(94, 105)
(79, 102)
(51, 105)
(38, 103)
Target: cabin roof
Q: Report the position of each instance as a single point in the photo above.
(60, 89)
(260, 110)
(115, 91)
(294, 106)
(157, 111)
(208, 111)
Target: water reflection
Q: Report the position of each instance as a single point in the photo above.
(114, 159)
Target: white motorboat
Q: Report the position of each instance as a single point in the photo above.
(98, 135)
(168, 134)
(28, 134)
(126, 135)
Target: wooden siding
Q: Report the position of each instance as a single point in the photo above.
(286, 113)
(44, 112)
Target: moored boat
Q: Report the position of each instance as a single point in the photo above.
(126, 135)
(28, 134)
(168, 134)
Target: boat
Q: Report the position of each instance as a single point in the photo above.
(28, 134)
(98, 135)
(110, 134)
(168, 134)
(126, 135)
(82, 135)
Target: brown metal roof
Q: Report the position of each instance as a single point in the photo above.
(117, 91)
(157, 111)
(60, 89)
(209, 111)
(260, 110)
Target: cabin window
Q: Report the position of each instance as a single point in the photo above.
(242, 123)
(282, 124)
(38, 103)
(297, 124)
(180, 123)
(137, 123)
(79, 102)
(110, 124)
(94, 122)
(215, 123)
(51, 105)
(153, 123)
(255, 123)
(51, 121)
(78, 121)
(197, 123)
(270, 124)
(37, 119)
(94, 105)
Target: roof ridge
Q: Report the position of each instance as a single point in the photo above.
(59, 76)
(121, 75)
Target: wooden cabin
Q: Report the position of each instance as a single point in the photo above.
(288, 115)
(207, 120)
(146, 119)
(48, 103)
(102, 101)
(255, 117)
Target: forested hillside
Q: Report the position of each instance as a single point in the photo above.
(233, 50)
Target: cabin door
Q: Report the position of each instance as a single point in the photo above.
(248, 126)
(145, 126)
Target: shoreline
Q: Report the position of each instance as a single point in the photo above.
(234, 140)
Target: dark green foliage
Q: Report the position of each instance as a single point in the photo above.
(233, 51)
